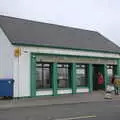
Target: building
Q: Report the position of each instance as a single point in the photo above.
(48, 59)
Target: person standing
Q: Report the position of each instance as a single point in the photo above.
(100, 80)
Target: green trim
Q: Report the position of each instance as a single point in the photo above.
(73, 77)
(82, 87)
(69, 75)
(64, 89)
(90, 77)
(58, 47)
(118, 67)
(105, 76)
(64, 94)
(43, 89)
(54, 78)
(108, 81)
(33, 75)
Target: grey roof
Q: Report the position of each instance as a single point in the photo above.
(20, 31)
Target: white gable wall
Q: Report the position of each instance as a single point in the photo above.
(6, 57)
(14, 67)
(23, 75)
(8, 62)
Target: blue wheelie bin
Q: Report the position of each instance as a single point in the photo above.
(6, 87)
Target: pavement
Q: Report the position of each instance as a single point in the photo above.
(96, 96)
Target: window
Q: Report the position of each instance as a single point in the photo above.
(110, 72)
(43, 76)
(63, 76)
(82, 75)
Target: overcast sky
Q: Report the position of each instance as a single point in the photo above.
(99, 15)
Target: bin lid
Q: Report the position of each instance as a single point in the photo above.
(6, 80)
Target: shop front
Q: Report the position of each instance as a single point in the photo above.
(53, 74)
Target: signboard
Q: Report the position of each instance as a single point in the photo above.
(17, 52)
(75, 59)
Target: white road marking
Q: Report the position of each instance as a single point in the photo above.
(75, 118)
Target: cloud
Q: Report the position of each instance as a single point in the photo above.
(100, 15)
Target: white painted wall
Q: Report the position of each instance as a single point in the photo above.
(6, 57)
(16, 76)
(22, 66)
(80, 90)
(44, 92)
(12, 67)
(64, 91)
(22, 75)
(8, 62)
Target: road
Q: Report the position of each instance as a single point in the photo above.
(82, 111)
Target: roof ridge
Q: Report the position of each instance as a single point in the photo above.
(53, 24)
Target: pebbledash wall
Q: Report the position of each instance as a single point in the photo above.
(24, 69)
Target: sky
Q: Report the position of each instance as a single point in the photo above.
(98, 15)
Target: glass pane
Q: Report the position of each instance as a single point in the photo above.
(38, 65)
(46, 65)
(81, 75)
(63, 77)
(46, 78)
(39, 78)
(65, 65)
(43, 76)
(110, 73)
(59, 65)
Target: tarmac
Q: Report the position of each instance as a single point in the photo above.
(96, 96)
